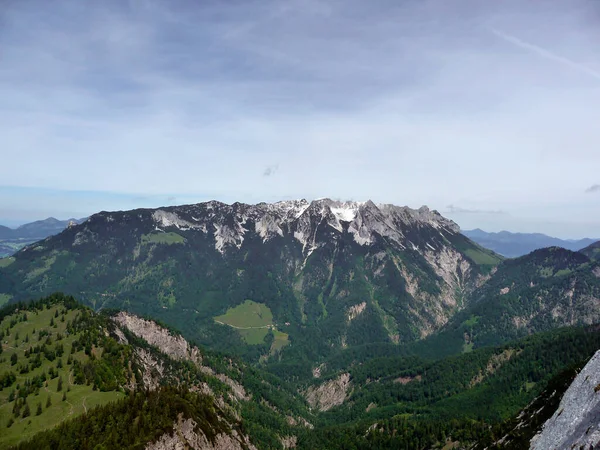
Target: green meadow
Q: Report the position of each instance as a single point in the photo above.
(51, 395)
(253, 320)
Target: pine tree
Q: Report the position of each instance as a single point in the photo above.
(59, 386)
(39, 409)
(26, 411)
(48, 402)
(13, 359)
(52, 321)
(10, 422)
(64, 397)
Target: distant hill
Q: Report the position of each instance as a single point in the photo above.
(592, 251)
(513, 245)
(39, 229)
(13, 239)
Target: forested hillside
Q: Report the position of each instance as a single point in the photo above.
(113, 380)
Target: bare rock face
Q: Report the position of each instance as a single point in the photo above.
(289, 441)
(185, 436)
(329, 394)
(576, 422)
(174, 346)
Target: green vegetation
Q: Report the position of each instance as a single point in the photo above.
(137, 418)
(49, 351)
(4, 298)
(162, 238)
(483, 258)
(5, 262)
(247, 315)
(253, 321)
(280, 340)
(46, 264)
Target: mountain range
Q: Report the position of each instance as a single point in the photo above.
(338, 269)
(513, 245)
(380, 326)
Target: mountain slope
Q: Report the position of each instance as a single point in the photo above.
(546, 289)
(129, 382)
(331, 274)
(513, 245)
(156, 378)
(592, 251)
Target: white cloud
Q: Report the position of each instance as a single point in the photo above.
(415, 103)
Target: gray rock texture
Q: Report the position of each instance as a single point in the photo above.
(576, 423)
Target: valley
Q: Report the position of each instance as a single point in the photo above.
(362, 319)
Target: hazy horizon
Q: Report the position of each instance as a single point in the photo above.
(483, 111)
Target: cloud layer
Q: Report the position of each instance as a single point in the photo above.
(481, 104)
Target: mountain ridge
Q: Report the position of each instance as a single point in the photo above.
(403, 271)
(513, 245)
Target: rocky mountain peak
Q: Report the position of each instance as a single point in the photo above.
(300, 219)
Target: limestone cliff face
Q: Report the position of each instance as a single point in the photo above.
(576, 422)
(187, 435)
(329, 394)
(172, 345)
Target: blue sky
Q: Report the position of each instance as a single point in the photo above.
(486, 111)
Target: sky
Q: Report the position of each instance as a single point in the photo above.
(487, 111)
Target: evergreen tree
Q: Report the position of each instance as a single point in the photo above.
(10, 422)
(48, 402)
(59, 386)
(64, 397)
(13, 359)
(39, 409)
(26, 411)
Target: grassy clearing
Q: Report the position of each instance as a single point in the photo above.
(162, 238)
(482, 258)
(281, 340)
(562, 272)
(79, 398)
(251, 320)
(254, 336)
(43, 269)
(471, 321)
(5, 262)
(247, 315)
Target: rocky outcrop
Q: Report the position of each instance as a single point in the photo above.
(329, 394)
(576, 423)
(187, 435)
(355, 310)
(173, 346)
